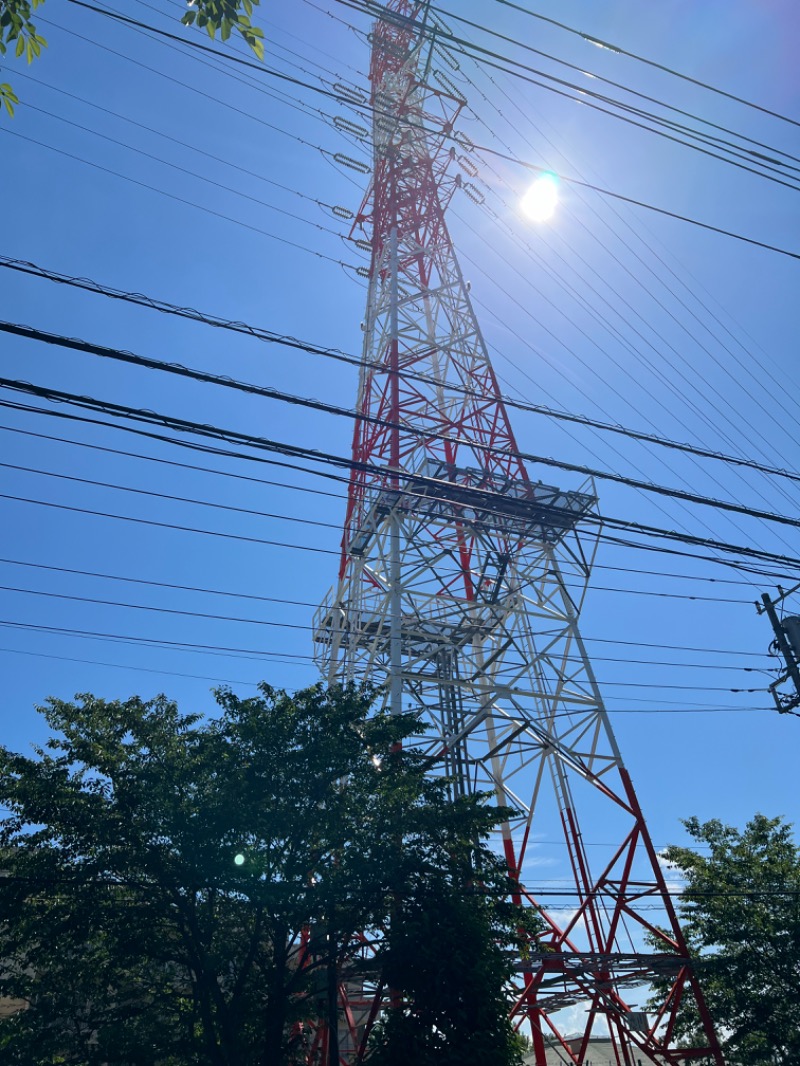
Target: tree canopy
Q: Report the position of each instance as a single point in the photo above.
(740, 912)
(163, 876)
(445, 957)
(18, 30)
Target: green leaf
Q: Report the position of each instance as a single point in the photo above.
(20, 46)
(8, 97)
(189, 17)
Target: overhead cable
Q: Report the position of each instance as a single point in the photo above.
(294, 486)
(590, 39)
(333, 409)
(285, 340)
(232, 57)
(293, 451)
(618, 85)
(97, 601)
(617, 109)
(260, 653)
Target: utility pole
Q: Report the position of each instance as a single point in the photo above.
(787, 646)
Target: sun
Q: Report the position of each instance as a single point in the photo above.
(540, 201)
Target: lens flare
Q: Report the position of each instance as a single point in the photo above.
(540, 201)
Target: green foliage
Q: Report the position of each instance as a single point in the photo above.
(448, 959)
(740, 912)
(225, 16)
(8, 98)
(18, 32)
(130, 928)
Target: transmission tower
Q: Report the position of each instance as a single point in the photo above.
(459, 590)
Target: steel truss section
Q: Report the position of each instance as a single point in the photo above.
(459, 591)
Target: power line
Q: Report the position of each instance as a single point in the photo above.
(273, 543)
(230, 57)
(333, 409)
(271, 337)
(294, 487)
(620, 110)
(348, 101)
(281, 662)
(194, 89)
(663, 376)
(301, 603)
(649, 62)
(98, 601)
(179, 199)
(193, 466)
(172, 645)
(160, 584)
(172, 497)
(260, 653)
(252, 653)
(200, 177)
(326, 458)
(175, 140)
(634, 202)
(169, 525)
(135, 669)
(615, 84)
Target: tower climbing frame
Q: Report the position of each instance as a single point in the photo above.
(459, 589)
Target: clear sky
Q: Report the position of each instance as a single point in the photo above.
(155, 169)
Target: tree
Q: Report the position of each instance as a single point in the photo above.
(18, 30)
(740, 912)
(161, 872)
(448, 959)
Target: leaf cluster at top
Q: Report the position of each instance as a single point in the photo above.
(226, 16)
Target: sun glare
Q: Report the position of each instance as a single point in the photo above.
(540, 201)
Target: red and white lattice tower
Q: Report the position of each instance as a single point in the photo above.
(457, 593)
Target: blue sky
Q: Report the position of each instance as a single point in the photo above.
(156, 170)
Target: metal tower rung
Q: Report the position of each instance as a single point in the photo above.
(547, 514)
(360, 631)
(524, 510)
(592, 962)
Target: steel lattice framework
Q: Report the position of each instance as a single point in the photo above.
(460, 585)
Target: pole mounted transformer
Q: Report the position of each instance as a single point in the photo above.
(786, 646)
(459, 590)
